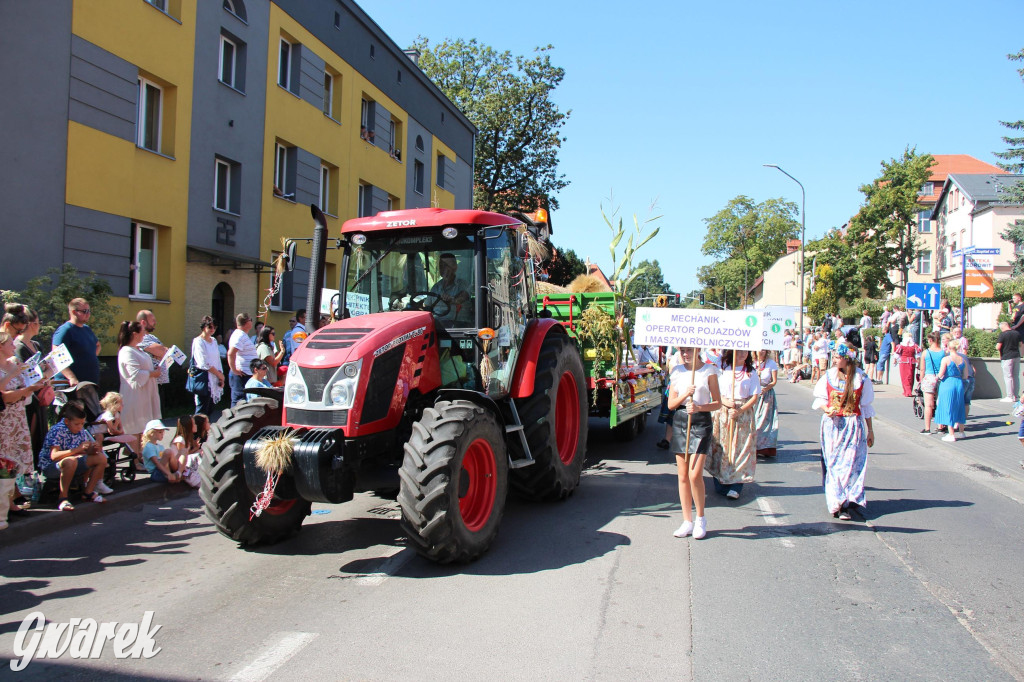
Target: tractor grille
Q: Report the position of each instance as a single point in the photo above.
(316, 417)
(331, 339)
(316, 379)
(381, 384)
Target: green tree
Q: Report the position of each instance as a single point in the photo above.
(48, 296)
(509, 100)
(747, 238)
(884, 231)
(1013, 161)
(564, 266)
(823, 299)
(835, 250)
(650, 282)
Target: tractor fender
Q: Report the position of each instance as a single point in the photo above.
(480, 399)
(526, 366)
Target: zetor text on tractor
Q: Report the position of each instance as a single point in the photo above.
(437, 379)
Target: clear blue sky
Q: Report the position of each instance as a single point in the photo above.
(682, 102)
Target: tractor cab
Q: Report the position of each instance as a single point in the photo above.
(469, 269)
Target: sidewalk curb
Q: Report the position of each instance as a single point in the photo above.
(39, 524)
(1014, 474)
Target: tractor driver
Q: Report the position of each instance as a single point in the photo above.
(454, 292)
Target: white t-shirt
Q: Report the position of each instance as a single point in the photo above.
(747, 385)
(680, 381)
(821, 349)
(246, 351)
(865, 322)
(766, 371)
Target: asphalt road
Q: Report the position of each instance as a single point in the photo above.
(594, 588)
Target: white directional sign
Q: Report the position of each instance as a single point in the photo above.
(692, 327)
(923, 296)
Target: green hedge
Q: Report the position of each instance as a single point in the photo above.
(981, 343)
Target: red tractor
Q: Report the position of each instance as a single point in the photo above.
(438, 379)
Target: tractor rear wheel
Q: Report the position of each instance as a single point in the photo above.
(223, 490)
(454, 481)
(555, 422)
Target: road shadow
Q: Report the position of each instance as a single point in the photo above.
(47, 670)
(878, 508)
(805, 530)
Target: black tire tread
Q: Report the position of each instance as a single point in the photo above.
(223, 490)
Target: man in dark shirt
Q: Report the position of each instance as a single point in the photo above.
(1008, 345)
(1017, 323)
(81, 343)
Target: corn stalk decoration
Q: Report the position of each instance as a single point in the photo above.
(623, 271)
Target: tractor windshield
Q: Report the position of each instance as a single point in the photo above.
(423, 271)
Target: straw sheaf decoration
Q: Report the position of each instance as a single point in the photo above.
(274, 455)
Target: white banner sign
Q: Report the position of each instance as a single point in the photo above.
(693, 327)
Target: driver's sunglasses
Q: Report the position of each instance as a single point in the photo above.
(87, 311)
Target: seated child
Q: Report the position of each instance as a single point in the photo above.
(259, 377)
(202, 423)
(69, 452)
(161, 463)
(187, 450)
(107, 428)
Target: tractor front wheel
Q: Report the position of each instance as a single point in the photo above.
(454, 481)
(223, 490)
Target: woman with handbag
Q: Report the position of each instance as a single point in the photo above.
(205, 371)
(928, 370)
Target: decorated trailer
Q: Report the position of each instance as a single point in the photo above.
(620, 387)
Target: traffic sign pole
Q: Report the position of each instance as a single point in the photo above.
(963, 289)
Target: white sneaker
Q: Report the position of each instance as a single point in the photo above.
(1007, 399)
(103, 488)
(684, 529)
(949, 438)
(733, 495)
(700, 529)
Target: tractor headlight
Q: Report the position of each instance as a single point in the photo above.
(295, 393)
(343, 391)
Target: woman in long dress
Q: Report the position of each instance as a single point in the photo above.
(766, 415)
(138, 382)
(928, 370)
(950, 410)
(693, 395)
(845, 395)
(206, 355)
(906, 356)
(733, 457)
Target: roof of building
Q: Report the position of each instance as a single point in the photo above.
(945, 164)
(982, 189)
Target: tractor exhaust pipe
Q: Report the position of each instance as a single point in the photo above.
(317, 267)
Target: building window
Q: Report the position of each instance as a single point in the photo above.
(149, 115)
(228, 57)
(337, 20)
(391, 203)
(159, 4)
(285, 168)
(366, 118)
(419, 142)
(927, 189)
(325, 188)
(924, 221)
(1018, 248)
(328, 94)
(440, 170)
(227, 185)
(373, 52)
(142, 283)
(418, 176)
(236, 7)
(924, 263)
(399, 75)
(365, 200)
(284, 67)
(395, 139)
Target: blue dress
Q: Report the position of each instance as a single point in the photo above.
(949, 409)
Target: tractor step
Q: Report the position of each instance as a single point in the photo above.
(513, 427)
(519, 463)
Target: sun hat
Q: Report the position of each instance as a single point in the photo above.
(155, 424)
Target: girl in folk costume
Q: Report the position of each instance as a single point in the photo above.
(734, 457)
(845, 394)
(906, 356)
(766, 414)
(693, 394)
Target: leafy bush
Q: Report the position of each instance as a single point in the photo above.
(49, 299)
(981, 343)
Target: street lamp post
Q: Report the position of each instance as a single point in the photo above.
(803, 228)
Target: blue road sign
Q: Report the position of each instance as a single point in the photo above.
(923, 296)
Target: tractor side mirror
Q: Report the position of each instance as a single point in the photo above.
(289, 256)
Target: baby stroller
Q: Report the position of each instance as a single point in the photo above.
(918, 396)
(118, 454)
